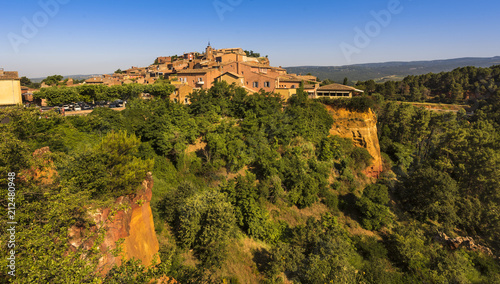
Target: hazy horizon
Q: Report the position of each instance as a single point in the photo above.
(48, 37)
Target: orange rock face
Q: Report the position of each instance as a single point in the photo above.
(132, 220)
(361, 127)
(141, 242)
(133, 223)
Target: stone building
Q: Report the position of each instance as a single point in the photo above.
(336, 91)
(10, 88)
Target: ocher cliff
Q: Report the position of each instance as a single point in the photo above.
(133, 223)
(361, 127)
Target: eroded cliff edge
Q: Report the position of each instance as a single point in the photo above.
(361, 127)
(132, 221)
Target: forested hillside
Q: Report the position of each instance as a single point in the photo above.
(390, 70)
(462, 85)
(251, 189)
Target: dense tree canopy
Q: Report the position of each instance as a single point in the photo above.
(447, 87)
(255, 183)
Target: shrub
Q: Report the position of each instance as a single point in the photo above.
(373, 207)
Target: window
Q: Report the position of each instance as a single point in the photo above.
(293, 87)
(255, 84)
(267, 84)
(186, 100)
(200, 79)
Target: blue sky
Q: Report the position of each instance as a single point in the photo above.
(46, 37)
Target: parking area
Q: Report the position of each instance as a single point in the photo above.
(83, 108)
(85, 112)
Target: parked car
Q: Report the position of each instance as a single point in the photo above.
(86, 107)
(77, 108)
(66, 107)
(113, 105)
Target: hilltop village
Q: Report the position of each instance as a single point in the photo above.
(195, 71)
(199, 71)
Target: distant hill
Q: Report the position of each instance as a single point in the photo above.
(77, 77)
(391, 70)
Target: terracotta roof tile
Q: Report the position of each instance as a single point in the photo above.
(9, 75)
(195, 71)
(233, 74)
(338, 87)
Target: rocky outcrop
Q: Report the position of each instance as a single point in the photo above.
(361, 127)
(43, 172)
(463, 242)
(129, 222)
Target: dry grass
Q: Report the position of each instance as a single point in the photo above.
(294, 216)
(198, 145)
(189, 258)
(242, 172)
(354, 228)
(241, 261)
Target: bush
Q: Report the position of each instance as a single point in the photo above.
(373, 207)
(358, 104)
(431, 194)
(361, 158)
(331, 200)
(206, 222)
(110, 169)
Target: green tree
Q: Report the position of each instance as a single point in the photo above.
(159, 90)
(52, 80)
(206, 223)
(431, 194)
(110, 169)
(373, 206)
(25, 81)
